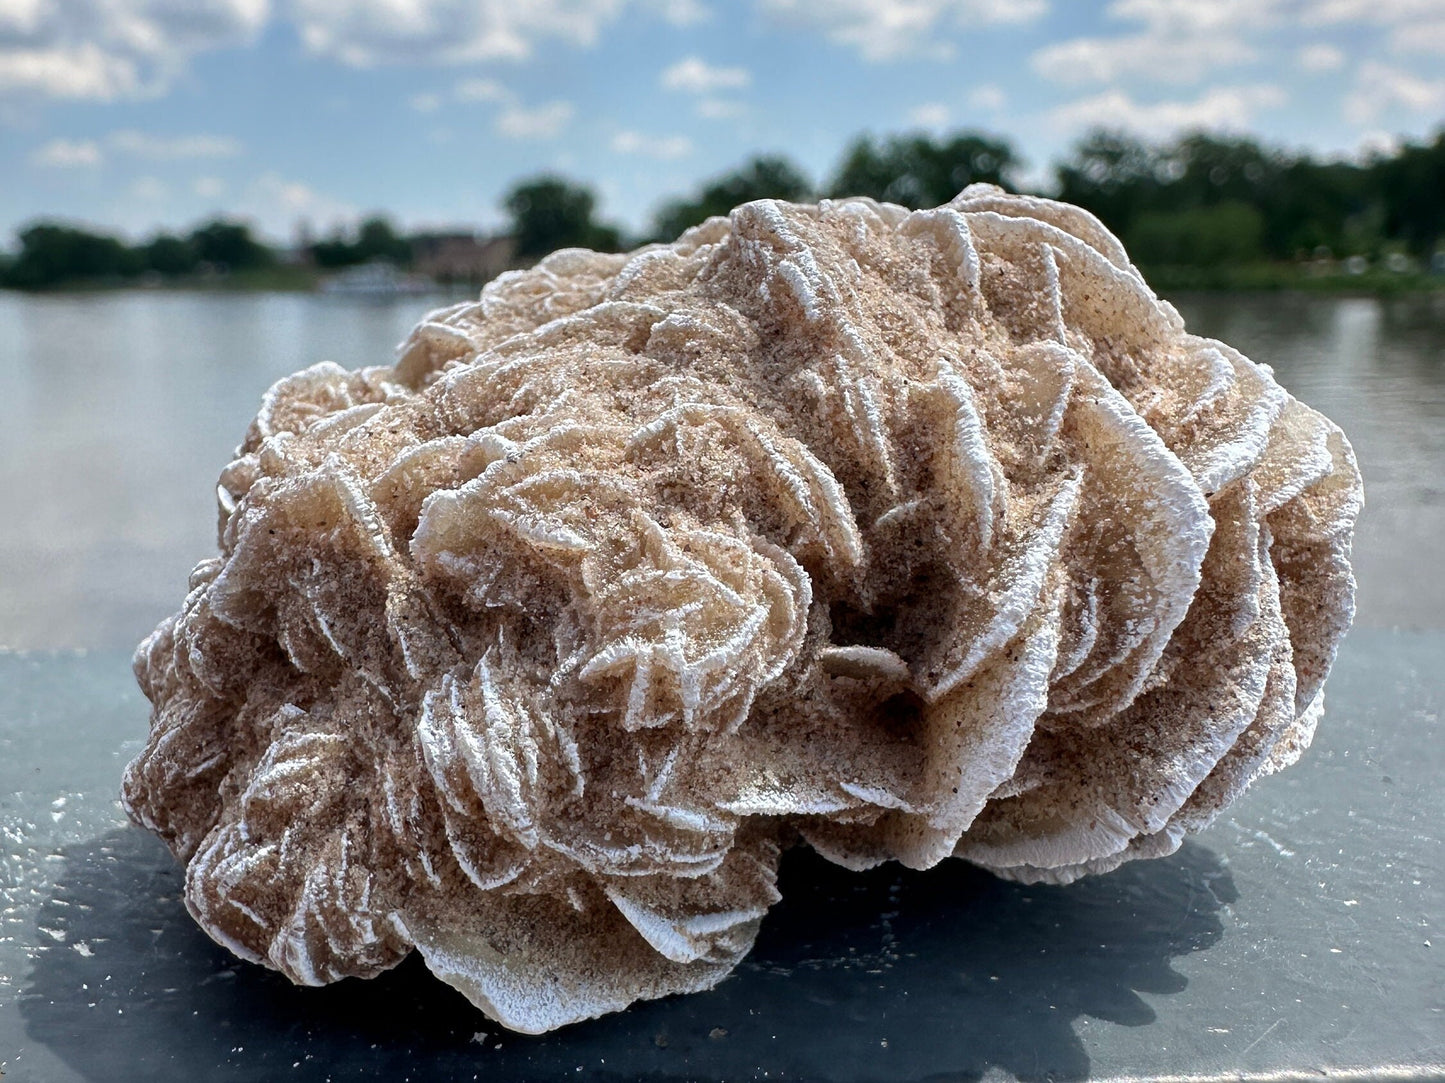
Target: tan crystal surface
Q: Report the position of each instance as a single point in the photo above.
(909, 535)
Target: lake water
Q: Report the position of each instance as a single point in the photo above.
(118, 410)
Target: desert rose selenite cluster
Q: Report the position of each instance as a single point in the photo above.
(906, 535)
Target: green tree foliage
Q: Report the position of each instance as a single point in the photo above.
(1320, 205)
(1165, 198)
(918, 171)
(550, 212)
(763, 177)
(167, 254)
(1412, 183)
(1224, 233)
(1113, 175)
(229, 246)
(334, 251)
(52, 253)
(376, 239)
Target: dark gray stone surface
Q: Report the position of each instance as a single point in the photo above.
(1297, 937)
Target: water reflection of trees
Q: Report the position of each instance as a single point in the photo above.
(890, 974)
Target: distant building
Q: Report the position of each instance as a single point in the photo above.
(461, 257)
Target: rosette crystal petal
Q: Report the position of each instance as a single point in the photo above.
(903, 535)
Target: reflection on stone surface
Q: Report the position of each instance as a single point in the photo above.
(888, 974)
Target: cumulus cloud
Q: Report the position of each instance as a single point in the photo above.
(1222, 109)
(171, 148)
(1181, 41)
(277, 203)
(929, 115)
(1320, 57)
(1380, 88)
(891, 29)
(366, 33)
(1377, 143)
(209, 187)
(1415, 26)
(107, 50)
(1198, 16)
(68, 154)
(989, 97)
(148, 189)
(83, 72)
(1187, 41)
(481, 90)
(663, 147)
(679, 12)
(693, 75)
(97, 50)
(1384, 12)
(720, 108)
(1165, 58)
(542, 122)
(1425, 37)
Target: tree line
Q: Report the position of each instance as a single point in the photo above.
(1200, 201)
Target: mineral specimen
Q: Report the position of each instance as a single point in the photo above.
(908, 535)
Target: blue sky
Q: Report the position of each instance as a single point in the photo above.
(139, 114)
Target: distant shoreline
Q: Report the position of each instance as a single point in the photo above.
(1267, 278)
(260, 280)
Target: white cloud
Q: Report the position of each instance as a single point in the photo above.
(664, 147)
(148, 189)
(1380, 88)
(929, 115)
(720, 108)
(1164, 58)
(107, 50)
(209, 187)
(169, 148)
(1415, 26)
(1198, 16)
(276, 204)
(1377, 143)
(72, 153)
(989, 97)
(290, 195)
(1428, 37)
(425, 103)
(1320, 57)
(1186, 41)
(481, 90)
(1181, 41)
(83, 72)
(693, 75)
(366, 33)
(891, 29)
(1224, 108)
(100, 50)
(543, 122)
(679, 12)
(68, 154)
(1382, 12)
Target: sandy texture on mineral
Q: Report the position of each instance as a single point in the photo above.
(909, 535)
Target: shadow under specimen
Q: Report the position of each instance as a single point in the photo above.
(890, 974)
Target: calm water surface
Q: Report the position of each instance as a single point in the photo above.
(118, 410)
